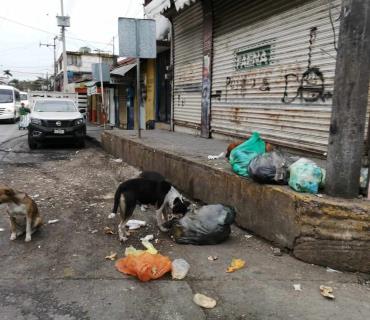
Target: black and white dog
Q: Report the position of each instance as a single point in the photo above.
(149, 188)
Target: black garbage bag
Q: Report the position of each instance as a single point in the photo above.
(208, 225)
(270, 167)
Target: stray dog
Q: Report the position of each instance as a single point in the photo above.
(23, 212)
(149, 188)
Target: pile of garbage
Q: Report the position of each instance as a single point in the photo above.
(250, 159)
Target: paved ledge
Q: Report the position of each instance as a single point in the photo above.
(324, 231)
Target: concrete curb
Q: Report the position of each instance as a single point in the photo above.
(324, 231)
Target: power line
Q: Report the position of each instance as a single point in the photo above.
(48, 32)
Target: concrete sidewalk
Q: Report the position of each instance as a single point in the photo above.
(94, 132)
(320, 230)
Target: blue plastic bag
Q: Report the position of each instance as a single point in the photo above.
(305, 176)
(242, 155)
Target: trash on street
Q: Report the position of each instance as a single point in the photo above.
(135, 224)
(149, 249)
(112, 256)
(53, 221)
(327, 292)
(148, 237)
(108, 230)
(332, 270)
(204, 301)
(180, 269)
(145, 266)
(212, 258)
(242, 155)
(211, 157)
(235, 264)
(297, 287)
(208, 225)
(306, 176)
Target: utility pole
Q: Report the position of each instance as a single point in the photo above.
(63, 22)
(102, 85)
(54, 61)
(351, 85)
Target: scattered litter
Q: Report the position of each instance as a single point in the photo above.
(306, 176)
(94, 231)
(112, 256)
(276, 252)
(53, 221)
(117, 160)
(210, 157)
(92, 204)
(77, 151)
(145, 266)
(248, 236)
(180, 269)
(212, 258)
(319, 195)
(148, 237)
(2, 229)
(327, 292)
(209, 224)
(35, 196)
(135, 252)
(108, 230)
(236, 264)
(204, 301)
(332, 270)
(108, 196)
(270, 167)
(297, 287)
(39, 246)
(242, 155)
(143, 208)
(135, 224)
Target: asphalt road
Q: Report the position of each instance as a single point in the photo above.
(63, 274)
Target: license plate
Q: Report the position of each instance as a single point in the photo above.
(58, 131)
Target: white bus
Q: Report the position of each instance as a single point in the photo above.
(10, 102)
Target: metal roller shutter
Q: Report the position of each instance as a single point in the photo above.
(273, 70)
(188, 49)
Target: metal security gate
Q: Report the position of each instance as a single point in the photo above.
(273, 70)
(188, 46)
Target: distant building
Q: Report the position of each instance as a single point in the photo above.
(79, 66)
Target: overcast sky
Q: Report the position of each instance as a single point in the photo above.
(93, 24)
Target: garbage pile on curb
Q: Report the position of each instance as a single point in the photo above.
(255, 159)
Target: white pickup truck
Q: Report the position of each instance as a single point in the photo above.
(54, 118)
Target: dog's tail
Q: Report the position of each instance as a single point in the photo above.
(117, 197)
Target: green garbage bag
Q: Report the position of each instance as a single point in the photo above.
(241, 156)
(306, 176)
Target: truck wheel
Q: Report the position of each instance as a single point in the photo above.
(31, 143)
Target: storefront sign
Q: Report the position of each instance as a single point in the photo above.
(253, 57)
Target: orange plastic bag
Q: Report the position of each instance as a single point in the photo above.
(145, 266)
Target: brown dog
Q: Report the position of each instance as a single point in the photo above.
(23, 212)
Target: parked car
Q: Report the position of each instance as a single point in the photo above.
(10, 102)
(52, 119)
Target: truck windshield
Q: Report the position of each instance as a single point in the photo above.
(6, 96)
(54, 106)
(23, 96)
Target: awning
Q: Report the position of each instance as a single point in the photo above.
(121, 71)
